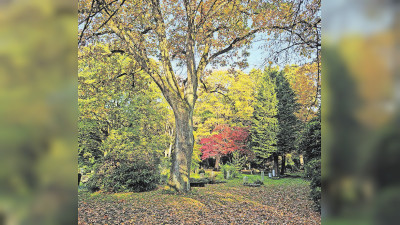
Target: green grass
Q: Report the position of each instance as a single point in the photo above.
(252, 178)
(267, 180)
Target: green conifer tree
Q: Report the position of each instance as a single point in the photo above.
(265, 123)
(310, 145)
(287, 120)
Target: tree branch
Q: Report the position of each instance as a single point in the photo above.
(120, 75)
(218, 92)
(117, 51)
(110, 16)
(87, 23)
(170, 79)
(208, 14)
(103, 33)
(235, 41)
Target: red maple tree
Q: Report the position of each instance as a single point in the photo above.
(227, 140)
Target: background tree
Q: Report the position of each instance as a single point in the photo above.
(224, 141)
(114, 125)
(214, 103)
(226, 97)
(300, 39)
(264, 122)
(213, 107)
(310, 145)
(287, 120)
(304, 82)
(90, 138)
(242, 95)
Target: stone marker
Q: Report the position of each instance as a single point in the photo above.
(270, 175)
(212, 173)
(245, 179)
(273, 173)
(202, 175)
(262, 176)
(227, 174)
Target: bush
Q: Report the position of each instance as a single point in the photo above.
(123, 176)
(313, 172)
(200, 180)
(93, 184)
(163, 179)
(233, 173)
(125, 167)
(202, 171)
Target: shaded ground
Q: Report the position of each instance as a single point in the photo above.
(283, 201)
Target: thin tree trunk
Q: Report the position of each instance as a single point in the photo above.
(167, 152)
(182, 154)
(276, 166)
(217, 160)
(171, 144)
(283, 167)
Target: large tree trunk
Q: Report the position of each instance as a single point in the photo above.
(283, 167)
(276, 166)
(182, 154)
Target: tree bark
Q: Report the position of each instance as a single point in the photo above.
(283, 166)
(182, 154)
(217, 160)
(276, 166)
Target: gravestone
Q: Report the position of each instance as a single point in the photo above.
(245, 179)
(273, 173)
(227, 174)
(201, 175)
(212, 173)
(262, 176)
(270, 175)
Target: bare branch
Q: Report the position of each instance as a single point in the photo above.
(110, 16)
(146, 30)
(235, 41)
(116, 51)
(87, 23)
(120, 75)
(208, 14)
(216, 90)
(103, 33)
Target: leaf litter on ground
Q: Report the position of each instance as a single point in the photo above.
(285, 201)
